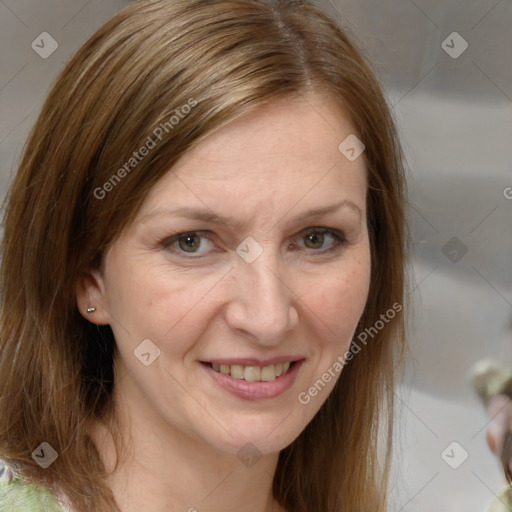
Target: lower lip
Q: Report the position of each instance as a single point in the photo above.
(256, 390)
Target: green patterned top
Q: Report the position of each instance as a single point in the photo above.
(502, 502)
(17, 495)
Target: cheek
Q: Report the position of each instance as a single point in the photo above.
(151, 300)
(337, 303)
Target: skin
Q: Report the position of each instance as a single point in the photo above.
(500, 412)
(263, 169)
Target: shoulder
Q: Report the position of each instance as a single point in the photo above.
(17, 495)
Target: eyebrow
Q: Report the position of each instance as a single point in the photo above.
(213, 218)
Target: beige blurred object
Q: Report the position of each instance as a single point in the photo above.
(490, 379)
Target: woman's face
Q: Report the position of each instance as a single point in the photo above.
(258, 281)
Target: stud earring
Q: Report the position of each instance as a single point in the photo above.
(91, 310)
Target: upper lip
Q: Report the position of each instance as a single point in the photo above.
(251, 361)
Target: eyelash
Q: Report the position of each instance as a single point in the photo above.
(339, 240)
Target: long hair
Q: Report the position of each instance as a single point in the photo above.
(175, 71)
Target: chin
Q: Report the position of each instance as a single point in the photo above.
(264, 436)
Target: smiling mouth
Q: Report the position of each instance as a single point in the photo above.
(252, 373)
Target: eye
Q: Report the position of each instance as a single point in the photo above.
(315, 238)
(188, 243)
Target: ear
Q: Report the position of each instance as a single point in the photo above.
(90, 293)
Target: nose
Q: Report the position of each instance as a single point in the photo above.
(263, 304)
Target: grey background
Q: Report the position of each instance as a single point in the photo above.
(455, 120)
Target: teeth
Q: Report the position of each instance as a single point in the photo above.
(237, 371)
(252, 373)
(268, 373)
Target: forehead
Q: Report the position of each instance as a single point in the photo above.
(305, 128)
(281, 155)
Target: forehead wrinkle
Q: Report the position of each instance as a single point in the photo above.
(214, 218)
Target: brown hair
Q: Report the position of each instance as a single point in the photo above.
(222, 58)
